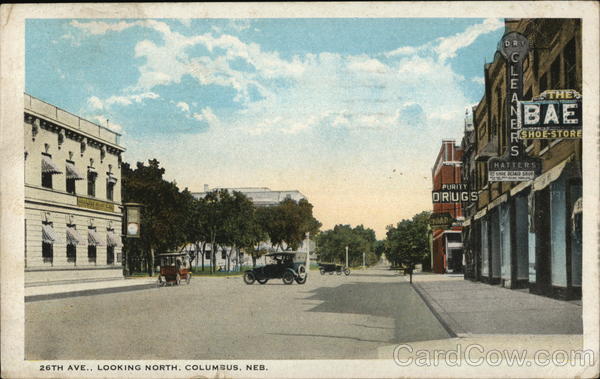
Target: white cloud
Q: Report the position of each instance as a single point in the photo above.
(448, 46)
(403, 50)
(478, 80)
(95, 102)
(208, 116)
(183, 106)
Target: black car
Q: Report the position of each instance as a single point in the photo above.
(332, 267)
(284, 265)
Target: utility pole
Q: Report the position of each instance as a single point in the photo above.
(346, 256)
(364, 265)
(307, 252)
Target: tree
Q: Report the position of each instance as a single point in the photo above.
(288, 222)
(332, 245)
(406, 243)
(164, 215)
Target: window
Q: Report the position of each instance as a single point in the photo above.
(46, 180)
(71, 253)
(70, 185)
(47, 252)
(207, 254)
(223, 254)
(570, 54)
(110, 255)
(543, 83)
(91, 183)
(555, 74)
(110, 190)
(91, 253)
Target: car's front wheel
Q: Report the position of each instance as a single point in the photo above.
(262, 281)
(288, 278)
(347, 271)
(300, 280)
(249, 277)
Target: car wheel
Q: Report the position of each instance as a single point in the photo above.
(322, 271)
(249, 277)
(188, 278)
(300, 280)
(262, 281)
(178, 279)
(347, 271)
(288, 278)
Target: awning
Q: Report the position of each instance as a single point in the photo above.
(551, 175)
(73, 173)
(93, 238)
(49, 167)
(73, 237)
(113, 240)
(578, 206)
(92, 171)
(49, 234)
(499, 200)
(480, 214)
(490, 150)
(467, 222)
(519, 187)
(111, 179)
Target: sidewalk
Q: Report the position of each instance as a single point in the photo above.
(58, 291)
(476, 308)
(494, 317)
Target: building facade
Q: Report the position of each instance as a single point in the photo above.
(73, 216)
(447, 246)
(527, 234)
(260, 196)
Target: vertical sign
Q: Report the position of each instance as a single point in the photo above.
(513, 166)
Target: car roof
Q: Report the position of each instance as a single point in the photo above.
(281, 253)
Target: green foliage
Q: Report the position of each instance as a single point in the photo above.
(331, 245)
(288, 222)
(407, 244)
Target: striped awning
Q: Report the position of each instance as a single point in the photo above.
(73, 173)
(73, 237)
(49, 234)
(94, 239)
(92, 171)
(113, 240)
(111, 179)
(48, 166)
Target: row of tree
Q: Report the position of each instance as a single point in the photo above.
(172, 219)
(331, 245)
(407, 243)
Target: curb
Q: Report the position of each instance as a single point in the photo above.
(435, 313)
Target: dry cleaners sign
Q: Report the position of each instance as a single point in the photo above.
(514, 166)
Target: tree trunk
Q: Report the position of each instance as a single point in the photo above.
(203, 252)
(253, 261)
(150, 261)
(213, 253)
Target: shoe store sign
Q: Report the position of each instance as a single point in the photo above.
(514, 166)
(554, 114)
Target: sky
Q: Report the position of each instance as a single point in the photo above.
(350, 112)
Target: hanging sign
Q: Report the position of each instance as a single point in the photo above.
(440, 220)
(454, 194)
(514, 166)
(554, 114)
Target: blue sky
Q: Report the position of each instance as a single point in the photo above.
(351, 112)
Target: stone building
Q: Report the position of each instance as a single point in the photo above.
(73, 215)
(527, 234)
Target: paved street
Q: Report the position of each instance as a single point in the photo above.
(329, 317)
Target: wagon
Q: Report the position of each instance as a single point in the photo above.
(332, 267)
(174, 267)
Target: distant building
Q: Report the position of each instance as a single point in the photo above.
(260, 196)
(447, 244)
(72, 197)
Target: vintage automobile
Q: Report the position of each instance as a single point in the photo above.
(288, 266)
(174, 267)
(332, 267)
